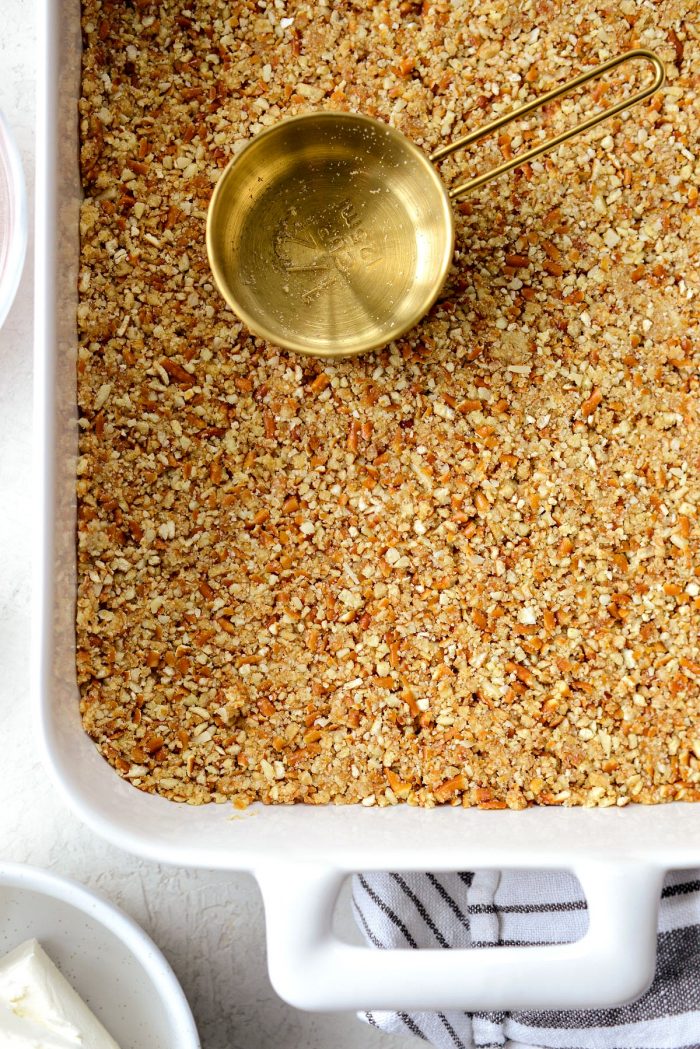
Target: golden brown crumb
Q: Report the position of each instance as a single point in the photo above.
(463, 570)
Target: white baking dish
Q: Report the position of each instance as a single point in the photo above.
(301, 855)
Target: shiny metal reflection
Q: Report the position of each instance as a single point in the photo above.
(332, 234)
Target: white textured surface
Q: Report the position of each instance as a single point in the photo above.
(210, 926)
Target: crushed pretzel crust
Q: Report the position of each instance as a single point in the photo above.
(462, 570)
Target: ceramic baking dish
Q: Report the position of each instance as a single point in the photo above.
(301, 855)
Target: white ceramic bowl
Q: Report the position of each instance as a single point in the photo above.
(13, 219)
(108, 959)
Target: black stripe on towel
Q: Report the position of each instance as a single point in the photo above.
(377, 943)
(675, 990)
(412, 1025)
(421, 910)
(527, 908)
(449, 900)
(386, 909)
(374, 940)
(683, 889)
(451, 1031)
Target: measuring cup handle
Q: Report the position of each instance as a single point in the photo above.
(558, 92)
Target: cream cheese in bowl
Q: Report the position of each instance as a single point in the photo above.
(77, 973)
(40, 1010)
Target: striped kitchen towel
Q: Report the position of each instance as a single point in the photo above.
(522, 908)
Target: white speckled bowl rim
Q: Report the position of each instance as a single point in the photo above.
(110, 961)
(13, 204)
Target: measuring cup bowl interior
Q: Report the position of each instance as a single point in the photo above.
(330, 234)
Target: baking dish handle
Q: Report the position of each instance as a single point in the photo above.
(311, 968)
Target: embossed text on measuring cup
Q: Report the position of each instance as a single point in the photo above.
(326, 249)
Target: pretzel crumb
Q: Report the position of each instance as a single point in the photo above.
(463, 570)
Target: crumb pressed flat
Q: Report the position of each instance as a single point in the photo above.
(463, 569)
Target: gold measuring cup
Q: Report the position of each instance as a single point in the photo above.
(332, 234)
